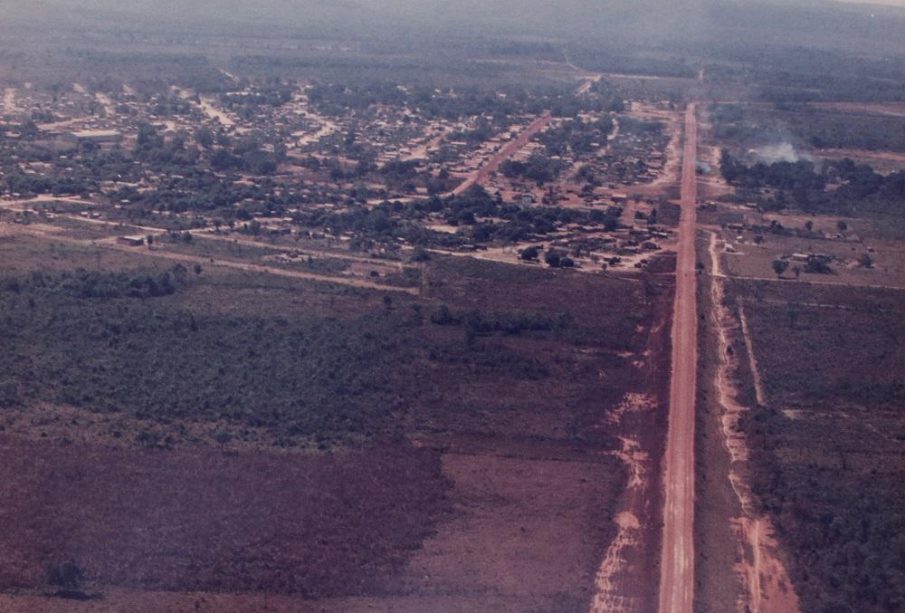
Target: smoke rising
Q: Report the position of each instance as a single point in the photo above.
(781, 152)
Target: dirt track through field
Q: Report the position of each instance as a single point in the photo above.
(809, 282)
(303, 251)
(768, 588)
(51, 233)
(201, 233)
(677, 559)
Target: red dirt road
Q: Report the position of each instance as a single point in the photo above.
(479, 176)
(677, 558)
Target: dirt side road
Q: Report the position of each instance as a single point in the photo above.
(480, 175)
(768, 587)
(50, 232)
(677, 559)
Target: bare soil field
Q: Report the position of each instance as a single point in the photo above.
(541, 517)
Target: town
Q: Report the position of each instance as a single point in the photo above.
(310, 168)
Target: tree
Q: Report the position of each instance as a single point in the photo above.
(553, 258)
(205, 137)
(865, 261)
(148, 138)
(530, 254)
(841, 226)
(729, 167)
(442, 316)
(420, 254)
(224, 160)
(780, 267)
(817, 265)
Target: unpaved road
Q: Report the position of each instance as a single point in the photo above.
(105, 101)
(480, 175)
(587, 84)
(677, 558)
(49, 232)
(538, 125)
(201, 233)
(9, 100)
(209, 107)
(766, 582)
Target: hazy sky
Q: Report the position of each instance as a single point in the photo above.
(620, 22)
(900, 3)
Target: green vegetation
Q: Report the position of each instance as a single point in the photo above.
(125, 342)
(497, 102)
(90, 284)
(807, 126)
(385, 222)
(830, 474)
(308, 377)
(538, 168)
(857, 188)
(512, 324)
